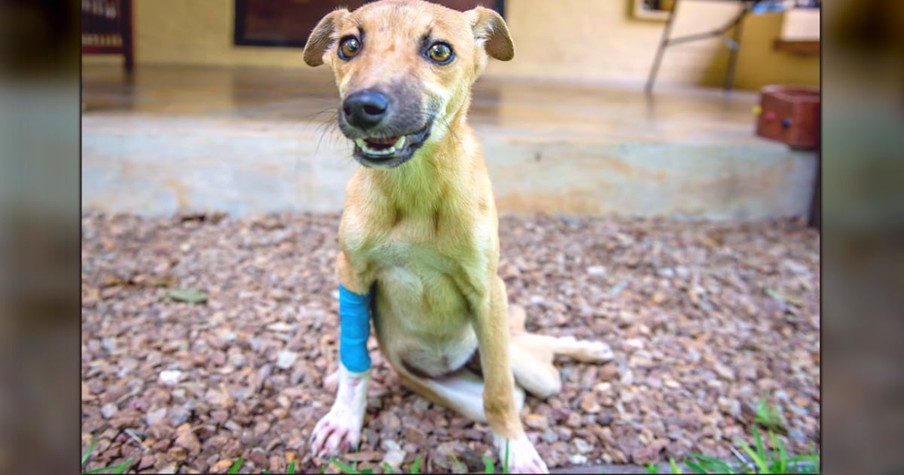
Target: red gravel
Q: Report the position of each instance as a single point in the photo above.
(703, 319)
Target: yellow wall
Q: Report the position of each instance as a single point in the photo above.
(585, 40)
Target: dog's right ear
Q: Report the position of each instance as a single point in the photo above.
(321, 37)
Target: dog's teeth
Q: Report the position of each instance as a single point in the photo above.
(362, 144)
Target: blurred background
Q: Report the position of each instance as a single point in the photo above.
(41, 45)
(248, 127)
(655, 163)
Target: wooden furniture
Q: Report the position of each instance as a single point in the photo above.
(287, 23)
(789, 115)
(797, 47)
(107, 29)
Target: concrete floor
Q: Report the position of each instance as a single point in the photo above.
(180, 139)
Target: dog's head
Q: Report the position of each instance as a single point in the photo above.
(404, 70)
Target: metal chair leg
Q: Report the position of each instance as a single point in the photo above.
(663, 43)
(735, 50)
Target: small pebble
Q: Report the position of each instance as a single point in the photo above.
(286, 359)
(108, 410)
(170, 377)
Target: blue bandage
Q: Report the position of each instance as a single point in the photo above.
(354, 328)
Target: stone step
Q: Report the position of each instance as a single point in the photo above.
(157, 165)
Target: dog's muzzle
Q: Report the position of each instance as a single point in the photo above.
(386, 133)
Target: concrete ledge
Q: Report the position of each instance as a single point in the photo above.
(158, 166)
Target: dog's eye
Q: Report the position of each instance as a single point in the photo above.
(440, 53)
(349, 47)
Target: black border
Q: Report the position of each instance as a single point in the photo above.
(238, 32)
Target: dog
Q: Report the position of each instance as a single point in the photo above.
(419, 245)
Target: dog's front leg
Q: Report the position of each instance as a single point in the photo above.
(491, 327)
(340, 429)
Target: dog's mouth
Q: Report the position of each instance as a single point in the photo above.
(390, 151)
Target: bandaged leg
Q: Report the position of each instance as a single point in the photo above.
(340, 429)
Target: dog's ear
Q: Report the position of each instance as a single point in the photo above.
(321, 37)
(490, 29)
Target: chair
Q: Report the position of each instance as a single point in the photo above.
(734, 44)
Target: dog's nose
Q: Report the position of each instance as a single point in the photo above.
(365, 109)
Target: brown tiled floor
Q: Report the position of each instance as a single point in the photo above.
(189, 139)
(615, 112)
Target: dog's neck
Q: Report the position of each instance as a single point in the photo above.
(435, 175)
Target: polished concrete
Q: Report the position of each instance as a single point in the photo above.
(181, 139)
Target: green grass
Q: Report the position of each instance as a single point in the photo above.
(121, 468)
(489, 466)
(755, 459)
(237, 465)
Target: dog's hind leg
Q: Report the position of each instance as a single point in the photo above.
(461, 391)
(580, 350)
(532, 356)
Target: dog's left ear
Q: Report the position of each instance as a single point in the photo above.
(321, 37)
(490, 29)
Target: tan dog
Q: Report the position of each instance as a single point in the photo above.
(420, 222)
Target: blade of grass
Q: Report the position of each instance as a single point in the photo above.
(88, 452)
(125, 466)
(675, 467)
(781, 457)
(488, 466)
(813, 461)
(652, 469)
(291, 469)
(720, 466)
(416, 466)
(457, 462)
(236, 465)
(695, 467)
(116, 469)
(387, 468)
(505, 463)
(343, 467)
(805, 458)
(760, 451)
(760, 463)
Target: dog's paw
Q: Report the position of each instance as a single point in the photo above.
(522, 456)
(340, 429)
(592, 351)
(336, 433)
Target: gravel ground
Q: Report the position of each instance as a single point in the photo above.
(703, 319)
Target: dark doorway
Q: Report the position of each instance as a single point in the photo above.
(288, 22)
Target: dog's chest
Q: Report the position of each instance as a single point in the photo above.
(414, 250)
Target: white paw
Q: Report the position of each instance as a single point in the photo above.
(592, 351)
(522, 456)
(339, 430)
(336, 433)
